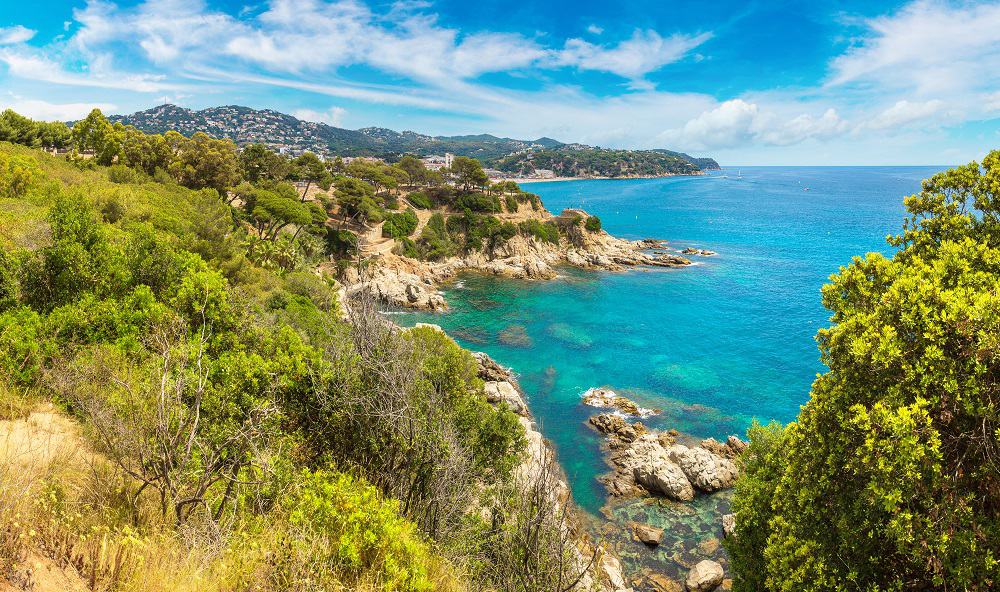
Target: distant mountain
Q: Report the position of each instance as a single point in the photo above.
(284, 132)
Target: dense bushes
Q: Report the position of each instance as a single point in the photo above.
(592, 224)
(543, 231)
(890, 478)
(400, 225)
(227, 404)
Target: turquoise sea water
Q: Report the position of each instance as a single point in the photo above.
(713, 345)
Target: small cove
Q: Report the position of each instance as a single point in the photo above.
(714, 346)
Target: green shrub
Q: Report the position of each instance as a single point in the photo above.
(478, 202)
(888, 479)
(342, 531)
(420, 200)
(593, 224)
(511, 202)
(119, 173)
(400, 225)
(543, 231)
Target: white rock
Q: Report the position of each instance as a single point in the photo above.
(704, 577)
(707, 471)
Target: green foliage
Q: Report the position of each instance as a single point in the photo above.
(420, 200)
(356, 199)
(478, 202)
(435, 241)
(468, 173)
(543, 231)
(890, 476)
(122, 174)
(16, 175)
(260, 163)
(761, 465)
(592, 224)
(341, 530)
(18, 129)
(400, 225)
(511, 202)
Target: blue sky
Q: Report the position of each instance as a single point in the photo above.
(748, 83)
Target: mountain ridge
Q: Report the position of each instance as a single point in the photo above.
(287, 133)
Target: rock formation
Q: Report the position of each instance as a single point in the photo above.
(705, 576)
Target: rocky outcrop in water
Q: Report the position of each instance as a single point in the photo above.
(606, 398)
(501, 388)
(704, 577)
(410, 283)
(654, 463)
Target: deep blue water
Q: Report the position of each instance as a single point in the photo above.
(714, 345)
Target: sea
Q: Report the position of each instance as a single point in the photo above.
(714, 346)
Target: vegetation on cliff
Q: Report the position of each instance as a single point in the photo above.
(890, 478)
(234, 432)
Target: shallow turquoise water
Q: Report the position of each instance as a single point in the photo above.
(713, 345)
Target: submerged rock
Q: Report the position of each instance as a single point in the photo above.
(647, 535)
(705, 576)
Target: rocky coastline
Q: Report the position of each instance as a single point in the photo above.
(411, 283)
(666, 467)
(604, 573)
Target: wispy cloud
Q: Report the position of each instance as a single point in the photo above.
(15, 34)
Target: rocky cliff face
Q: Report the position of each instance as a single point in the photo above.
(410, 283)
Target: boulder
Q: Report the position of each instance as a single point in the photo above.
(504, 393)
(736, 445)
(489, 370)
(617, 426)
(661, 475)
(706, 471)
(662, 583)
(647, 535)
(704, 577)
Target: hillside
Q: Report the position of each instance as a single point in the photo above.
(231, 419)
(277, 130)
(569, 161)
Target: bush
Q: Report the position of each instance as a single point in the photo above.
(342, 531)
(888, 480)
(420, 200)
(511, 202)
(478, 202)
(593, 224)
(543, 231)
(400, 225)
(122, 174)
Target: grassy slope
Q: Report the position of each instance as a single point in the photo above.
(60, 506)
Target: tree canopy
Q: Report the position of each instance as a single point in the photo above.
(890, 478)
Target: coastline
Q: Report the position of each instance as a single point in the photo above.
(529, 180)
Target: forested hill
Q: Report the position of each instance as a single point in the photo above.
(277, 130)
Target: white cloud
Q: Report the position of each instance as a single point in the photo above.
(43, 110)
(737, 123)
(595, 30)
(97, 75)
(333, 116)
(15, 34)
(904, 113)
(633, 58)
(927, 48)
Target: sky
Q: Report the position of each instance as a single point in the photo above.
(839, 82)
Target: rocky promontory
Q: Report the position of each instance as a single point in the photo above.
(646, 462)
(413, 283)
